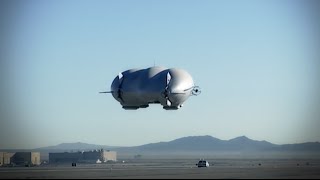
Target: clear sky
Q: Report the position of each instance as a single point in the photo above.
(257, 63)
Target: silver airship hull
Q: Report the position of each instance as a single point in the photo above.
(137, 88)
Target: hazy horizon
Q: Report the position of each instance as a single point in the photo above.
(88, 143)
(256, 62)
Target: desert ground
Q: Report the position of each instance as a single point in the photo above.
(172, 168)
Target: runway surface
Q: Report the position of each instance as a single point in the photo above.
(168, 168)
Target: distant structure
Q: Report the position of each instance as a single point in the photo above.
(20, 158)
(5, 158)
(93, 156)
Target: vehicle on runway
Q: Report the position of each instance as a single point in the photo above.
(137, 88)
(203, 163)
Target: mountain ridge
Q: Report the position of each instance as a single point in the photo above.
(194, 143)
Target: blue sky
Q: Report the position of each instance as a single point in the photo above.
(257, 63)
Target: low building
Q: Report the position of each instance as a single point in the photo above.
(86, 157)
(65, 157)
(5, 158)
(109, 156)
(19, 158)
(26, 158)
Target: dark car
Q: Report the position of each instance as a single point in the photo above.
(203, 163)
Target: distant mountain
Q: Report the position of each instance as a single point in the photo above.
(309, 146)
(194, 144)
(244, 143)
(76, 146)
(206, 143)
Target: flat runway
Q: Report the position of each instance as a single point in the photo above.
(177, 169)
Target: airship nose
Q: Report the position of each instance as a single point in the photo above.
(179, 87)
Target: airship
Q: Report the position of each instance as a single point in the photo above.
(137, 88)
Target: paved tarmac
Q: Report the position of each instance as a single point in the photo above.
(176, 169)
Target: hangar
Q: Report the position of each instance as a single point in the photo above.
(20, 158)
(83, 156)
